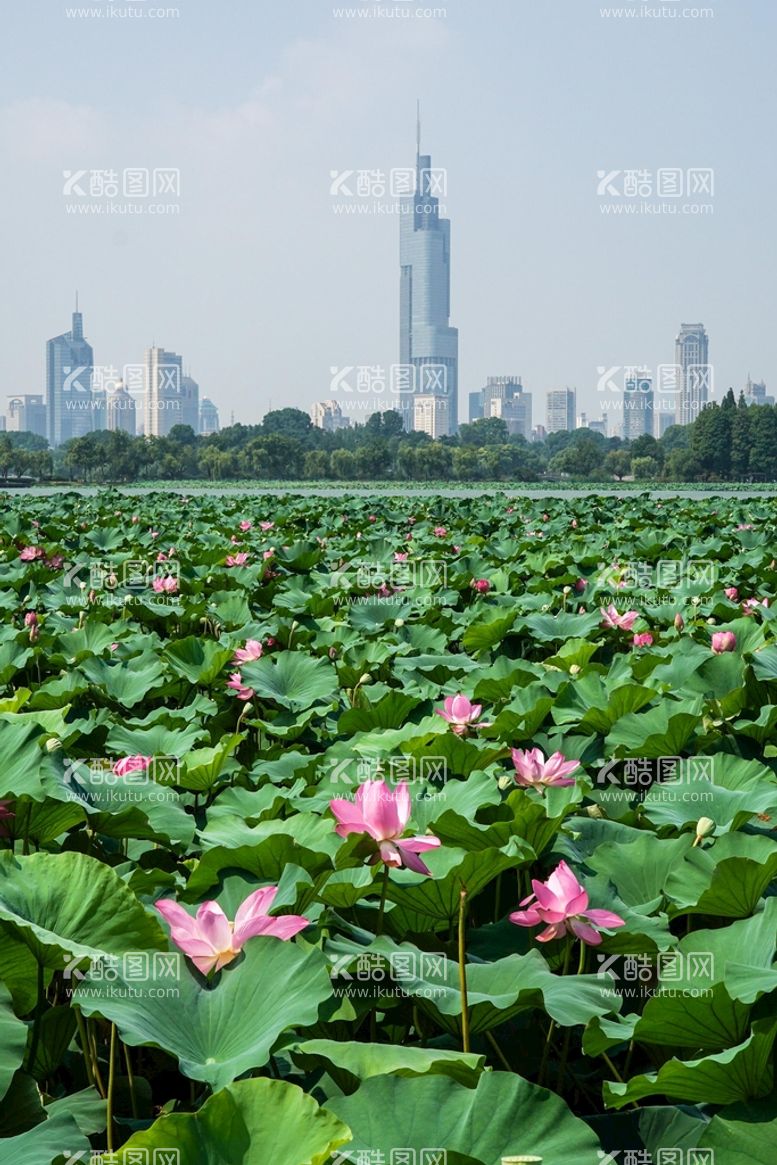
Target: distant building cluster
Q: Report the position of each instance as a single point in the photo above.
(83, 397)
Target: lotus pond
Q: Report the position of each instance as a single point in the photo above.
(387, 830)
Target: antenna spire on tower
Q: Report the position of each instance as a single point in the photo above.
(418, 126)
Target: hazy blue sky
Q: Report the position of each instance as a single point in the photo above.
(262, 287)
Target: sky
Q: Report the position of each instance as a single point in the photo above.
(252, 270)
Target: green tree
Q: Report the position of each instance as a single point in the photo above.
(618, 463)
(644, 468)
(740, 440)
(486, 431)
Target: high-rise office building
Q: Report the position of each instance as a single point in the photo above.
(162, 391)
(428, 345)
(328, 415)
(190, 404)
(755, 393)
(560, 410)
(27, 414)
(431, 414)
(503, 396)
(120, 410)
(694, 375)
(69, 368)
(209, 417)
(637, 407)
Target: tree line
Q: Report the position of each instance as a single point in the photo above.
(732, 441)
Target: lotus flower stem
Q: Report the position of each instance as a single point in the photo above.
(84, 1041)
(111, 1082)
(498, 1051)
(382, 907)
(39, 1007)
(131, 1082)
(463, 970)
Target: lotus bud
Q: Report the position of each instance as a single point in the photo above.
(505, 781)
(595, 811)
(679, 622)
(705, 827)
(399, 622)
(53, 744)
(574, 669)
(365, 679)
(333, 653)
(566, 590)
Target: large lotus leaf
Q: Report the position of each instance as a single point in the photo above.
(200, 661)
(134, 806)
(744, 1072)
(251, 1120)
(13, 1040)
(350, 1063)
(438, 896)
(25, 768)
(126, 683)
(728, 789)
(504, 1116)
(639, 870)
(54, 1140)
(495, 991)
(131, 739)
(661, 731)
(218, 1031)
(726, 878)
(743, 1134)
(292, 679)
(71, 903)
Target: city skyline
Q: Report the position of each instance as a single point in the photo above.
(543, 281)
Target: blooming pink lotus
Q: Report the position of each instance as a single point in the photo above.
(481, 585)
(399, 556)
(251, 651)
(611, 617)
(266, 526)
(131, 764)
(723, 641)
(383, 813)
(439, 531)
(561, 905)
(731, 593)
(241, 690)
(580, 585)
(237, 559)
(750, 606)
(245, 525)
(461, 714)
(644, 639)
(30, 553)
(165, 586)
(211, 941)
(533, 770)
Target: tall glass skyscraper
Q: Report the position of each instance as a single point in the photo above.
(427, 343)
(693, 371)
(69, 367)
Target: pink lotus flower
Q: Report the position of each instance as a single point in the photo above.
(580, 585)
(439, 531)
(533, 771)
(135, 519)
(723, 641)
(237, 559)
(400, 557)
(30, 553)
(241, 690)
(731, 593)
(383, 813)
(266, 526)
(561, 905)
(5, 815)
(750, 606)
(679, 622)
(251, 651)
(461, 714)
(131, 764)
(573, 523)
(611, 617)
(645, 639)
(211, 941)
(268, 553)
(372, 518)
(165, 586)
(481, 585)
(245, 525)
(745, 526)
(55, 562)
